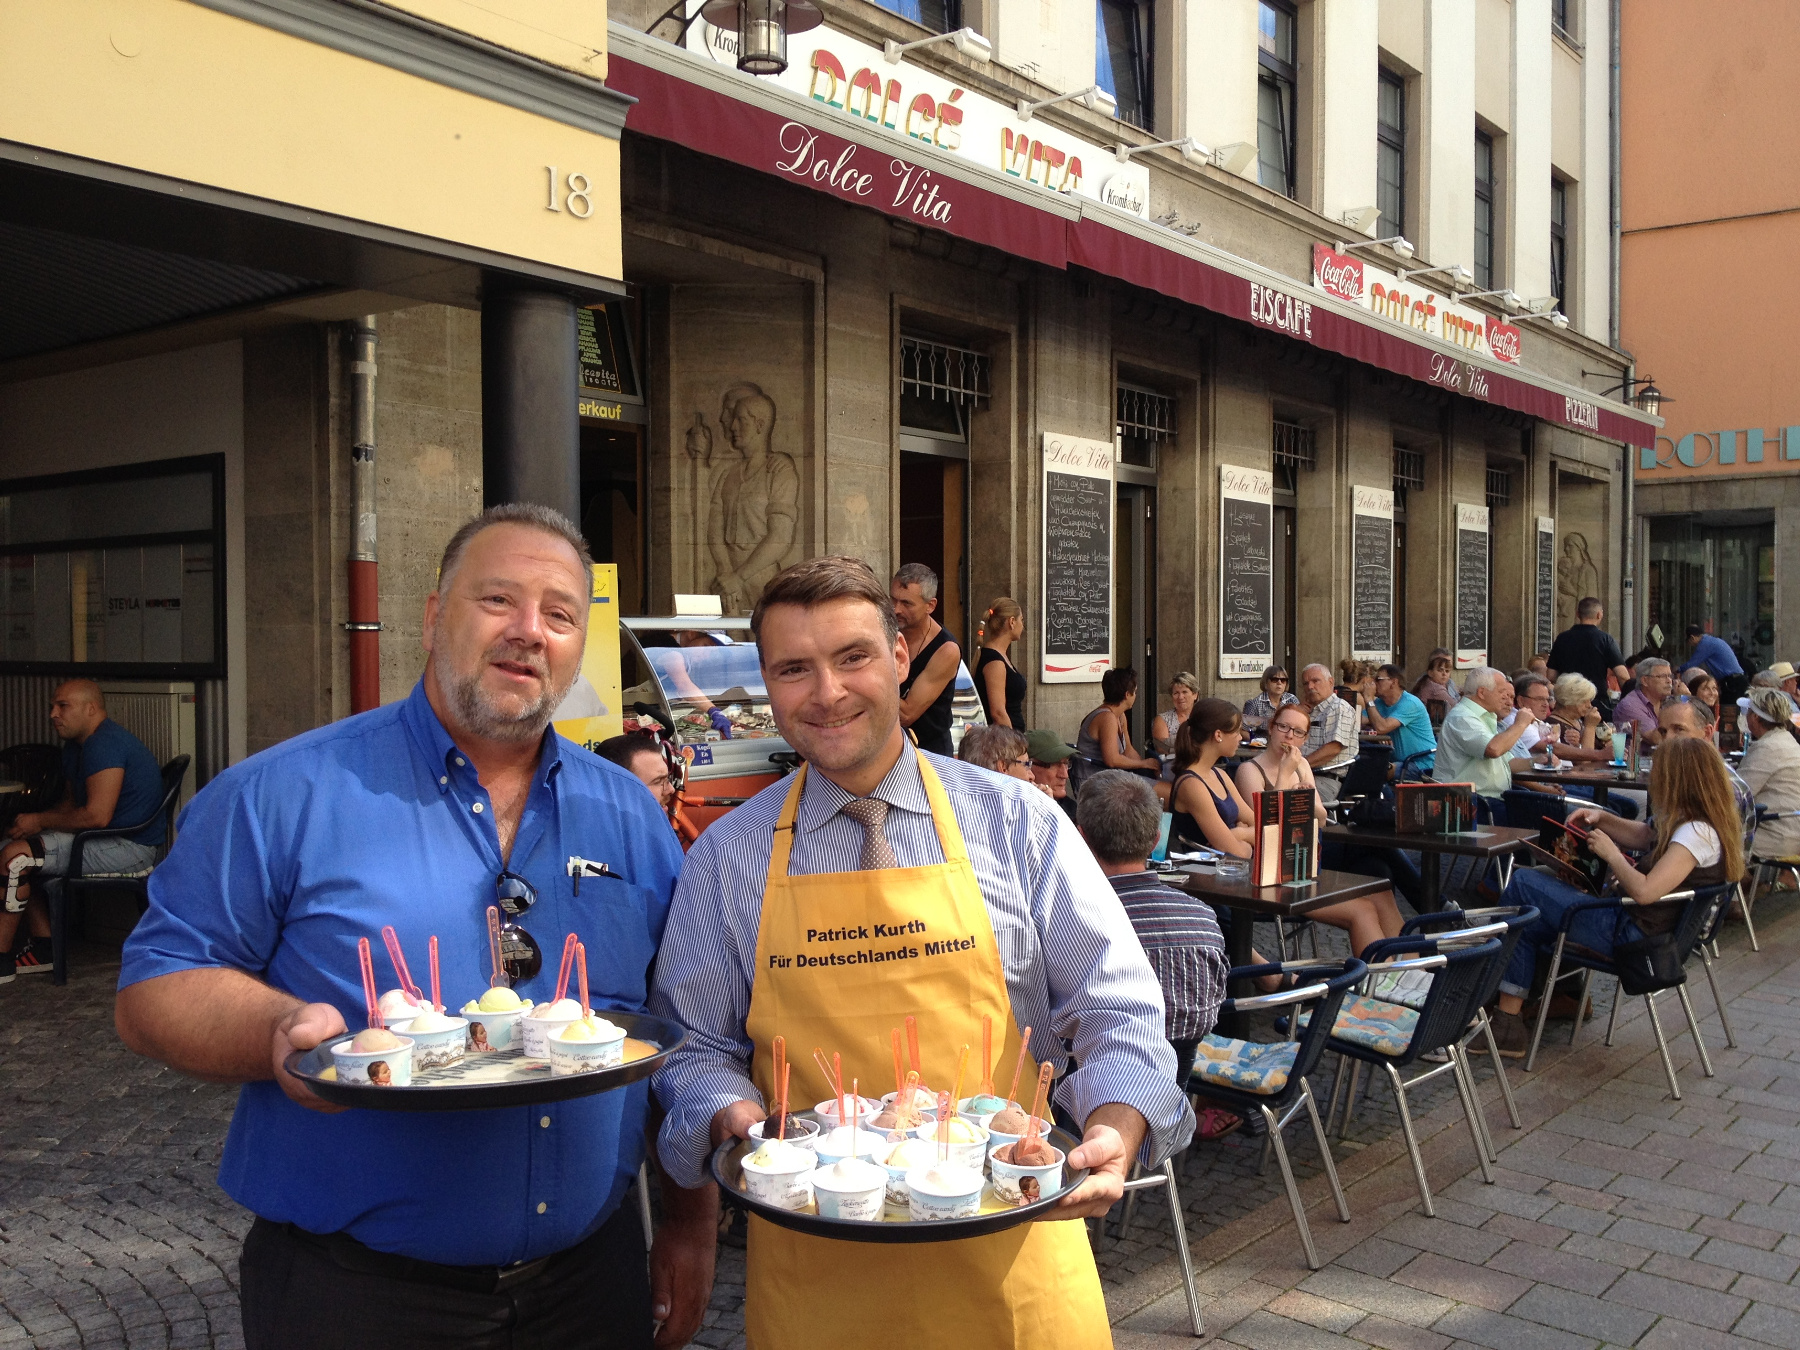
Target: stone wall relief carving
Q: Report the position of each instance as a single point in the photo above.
(750, 494)
(1576, 578)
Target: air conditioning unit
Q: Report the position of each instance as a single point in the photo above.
(161, 715)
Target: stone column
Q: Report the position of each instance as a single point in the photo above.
(530, 428)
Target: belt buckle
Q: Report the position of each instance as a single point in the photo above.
(518, 1273)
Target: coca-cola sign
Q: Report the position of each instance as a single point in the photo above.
(1503, 340)
(1338, 274)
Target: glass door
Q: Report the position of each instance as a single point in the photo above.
(1134, 598)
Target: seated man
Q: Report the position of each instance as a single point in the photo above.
(1331, 741)
(1655, 682)
(639, 754)
(1682, 718)
(1471, 746)
(1400, 716)
(1531, 693)
(1120, 817)
(1000, 750)
(1050, 756)
(109, 777)
(1771, 770)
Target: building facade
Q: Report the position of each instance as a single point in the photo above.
(1708, 227)
(1216, 335)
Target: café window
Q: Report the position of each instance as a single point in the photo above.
(1145, 419)
(1390, 154)
(1559, 241)
(940, 16)
(942, 387)
(1275, 75)
(117, 572)
(1296, 447)
(1122, 57)
(1484, 210)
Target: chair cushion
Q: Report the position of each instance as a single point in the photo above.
(1409, 987)
(1261, 1067)
(1374, 1024)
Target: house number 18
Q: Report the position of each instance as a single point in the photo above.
(574, 191)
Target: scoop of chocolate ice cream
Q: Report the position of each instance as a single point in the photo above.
(1027, 1153)
(1009, 1121)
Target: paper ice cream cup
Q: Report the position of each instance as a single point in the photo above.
(789, 1189)
(868, 1143)
(997, 1138)
(572, 1057)
(434, 1048)
(493, 1030)
(925, 1205)
(377, 1068)
(860, 1202)
(537, 1032)
(801, 1132)
(828, 1111)
(1008, 1175)
(970, 1153)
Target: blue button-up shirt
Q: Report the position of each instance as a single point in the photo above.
(285, 860)
(1714, 655)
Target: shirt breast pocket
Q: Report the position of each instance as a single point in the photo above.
(612, 922)
(1021, 961)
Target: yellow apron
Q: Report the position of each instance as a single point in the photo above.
(1032, 1286)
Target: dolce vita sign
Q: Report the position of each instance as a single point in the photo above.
(1413, 306)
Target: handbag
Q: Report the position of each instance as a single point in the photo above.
(1649, 963)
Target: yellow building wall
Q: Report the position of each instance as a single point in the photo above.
(567, 33)
(183, 91)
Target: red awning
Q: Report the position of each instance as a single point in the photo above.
(762, 130)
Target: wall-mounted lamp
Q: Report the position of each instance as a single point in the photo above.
(1093, 98)
(1398, 242)
(1236, 157)
(1556, 317)
(1362, 219)
(762, 28)
(1456, 272)
(1647, 398)
(1509, 299)
(1190, 148)
(966, 40)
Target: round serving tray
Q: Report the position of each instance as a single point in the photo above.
(495, 1078)
(996, 1215)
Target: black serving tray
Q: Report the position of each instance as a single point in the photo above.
(996, 1215)
(495, 1078)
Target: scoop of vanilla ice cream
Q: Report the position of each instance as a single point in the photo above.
(961, 1132)
(589, 1029)
(497, 999)
(948, 1179)
(780, 1156)
(851, 1174)
(563, 1007)
(431, 1020)
(911, 1153)
(375, 1038)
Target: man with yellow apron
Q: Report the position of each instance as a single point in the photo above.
(882, 882)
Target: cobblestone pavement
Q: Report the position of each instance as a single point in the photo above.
(1618, 1216)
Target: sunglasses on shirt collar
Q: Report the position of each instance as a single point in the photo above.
(520, 955)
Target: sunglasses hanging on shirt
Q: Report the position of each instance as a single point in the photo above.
(520, 955)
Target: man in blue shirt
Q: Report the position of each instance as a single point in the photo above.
(386, 1228)
(1714, 655)
(1401, 717)
(109, 777)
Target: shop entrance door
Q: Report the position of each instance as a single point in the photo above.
(1283, 593)
(612, 505)
(934, 530)
(1134, 598)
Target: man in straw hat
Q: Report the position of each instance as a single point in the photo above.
(883, 881)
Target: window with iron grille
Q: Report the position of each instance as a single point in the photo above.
(1499, 488)
(1296, 447)
(1145, 417)
(938, 372)
(1409, 473)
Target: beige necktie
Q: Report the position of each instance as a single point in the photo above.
(871, 814)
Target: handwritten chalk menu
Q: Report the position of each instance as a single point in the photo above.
(1372, 574)
(1078, 559)
(1471, 585)
(1546, 582)
(1246, 576)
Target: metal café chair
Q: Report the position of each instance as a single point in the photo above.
(1165, 1176)
(1699, 914)
(1393, 1035)
(1764, 870)
(1268, 1080)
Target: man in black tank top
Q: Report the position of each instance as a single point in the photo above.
(930, 683)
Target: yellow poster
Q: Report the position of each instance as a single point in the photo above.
(593, 710)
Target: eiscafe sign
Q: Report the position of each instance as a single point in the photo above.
(1413, 306)
(854, 80)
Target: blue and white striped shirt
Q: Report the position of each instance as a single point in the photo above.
(1073, 965)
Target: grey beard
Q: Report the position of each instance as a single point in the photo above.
(479, 715)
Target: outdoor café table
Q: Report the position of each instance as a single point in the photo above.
(1599, 781)
(1247, 901)
(1486, 842)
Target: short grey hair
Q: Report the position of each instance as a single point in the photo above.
(1482, 677)
(991, 747)
(1651, 664)
(918, 574)
(1120, 816)
(1772, 707)
(1527, 680)
(1571, 689)
(532, 515)
(1315, 665)
(1703, 714)
(1187, 680)
(1765, 679)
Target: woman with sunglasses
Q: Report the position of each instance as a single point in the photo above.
(1276, 693)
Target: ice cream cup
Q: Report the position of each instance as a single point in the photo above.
(927, 1204)
(868, 1144)
(493, 1030)
(866, 1112)
(537, 1031)
(800, 1131)
(853, 1202)
(896, 1177)
(970, 1153)
(432, 1048)
(926, 1101)
(378, 1068)
(996, 1138)
(966, 1109)
(572, 1057)
(1008, 1175)
(789, 1188)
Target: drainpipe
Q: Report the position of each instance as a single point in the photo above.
(1628, 552)
(365, 597)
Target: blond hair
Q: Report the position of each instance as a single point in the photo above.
(1688, 783)
(1002, 612)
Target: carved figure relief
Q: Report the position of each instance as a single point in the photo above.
(752, 493)
(1576, 579)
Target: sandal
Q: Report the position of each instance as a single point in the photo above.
(1215, 1123)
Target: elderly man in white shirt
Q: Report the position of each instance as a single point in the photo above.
(1472, 748)
(1771, 769)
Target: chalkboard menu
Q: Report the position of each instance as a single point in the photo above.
(1246, 574)
(1546, 582)
(1372, 574)
(1078, 559)
(1471, 585)
(604, 350)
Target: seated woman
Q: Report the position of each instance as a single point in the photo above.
(1694, 839)
(1276, 693)
(1183, 690)
(1698, 684)
(1438, 683)
(1105, 739)
(1209, 809)
(1575, 721)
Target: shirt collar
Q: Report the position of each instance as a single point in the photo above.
(1136, 881)
(902, 789)
(440, 751)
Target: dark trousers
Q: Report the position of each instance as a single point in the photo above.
(306, 1292)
